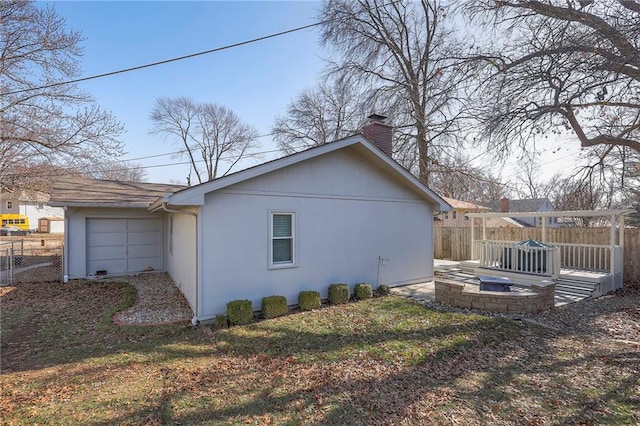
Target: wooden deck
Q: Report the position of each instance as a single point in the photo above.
(571, 286)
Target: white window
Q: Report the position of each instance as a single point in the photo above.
(9, 205)
(282, 236)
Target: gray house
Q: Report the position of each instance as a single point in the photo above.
(327, 214)
(527, 205)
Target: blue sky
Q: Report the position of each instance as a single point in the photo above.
(257, 81)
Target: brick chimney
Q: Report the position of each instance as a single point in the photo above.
(504, 205)
(379, 132)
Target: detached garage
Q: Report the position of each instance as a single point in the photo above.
(109, 230)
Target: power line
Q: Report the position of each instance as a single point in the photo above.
(181, 151)
(166, 61)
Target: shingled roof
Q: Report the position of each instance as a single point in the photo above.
(525, 205)
(107, 193)
(459, 204)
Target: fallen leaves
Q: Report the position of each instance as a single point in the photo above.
(382, 361)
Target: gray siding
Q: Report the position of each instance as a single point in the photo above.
(181, 254)
(348, 214)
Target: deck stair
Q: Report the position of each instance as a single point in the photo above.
(468, 266)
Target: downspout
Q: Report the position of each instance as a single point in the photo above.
(194, 320)
(65, 248)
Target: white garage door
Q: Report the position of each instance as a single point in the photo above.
(121, 246)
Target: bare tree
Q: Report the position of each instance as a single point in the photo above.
(41, 120)
(562, 67)
(211, 135)
(124, 171)
(404, 55)
(454, 177)
(330, 111)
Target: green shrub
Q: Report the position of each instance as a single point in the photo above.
(383, 290)
(363, 291)
(274, 306)
(308, 300)
(220, 321)
(239, 312)
(338, 293)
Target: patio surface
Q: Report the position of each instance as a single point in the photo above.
(426, 291)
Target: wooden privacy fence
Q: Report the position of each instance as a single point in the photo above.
(455, 243)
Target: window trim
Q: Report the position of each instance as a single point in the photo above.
(294, 245)
(9, 205)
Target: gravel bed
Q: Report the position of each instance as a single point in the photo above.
(158, 301)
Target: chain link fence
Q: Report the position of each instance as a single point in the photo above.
(30, 261)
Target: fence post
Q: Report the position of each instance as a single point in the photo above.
(10, 269)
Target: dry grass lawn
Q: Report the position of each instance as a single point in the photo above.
(381, 361)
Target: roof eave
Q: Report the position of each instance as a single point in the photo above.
(132, 205)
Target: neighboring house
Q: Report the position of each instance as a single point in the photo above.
(340, 212)
(31, 205)
(457, 217)
(531, 205)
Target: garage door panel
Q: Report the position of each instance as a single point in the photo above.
(143, 250)
(140, 264)
(102, 239)
(143, 225)
(110, 252)
(106, 225)
(112, 266)
(142, 238)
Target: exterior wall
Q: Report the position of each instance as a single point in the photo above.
(348, 214)
(76, 238)
(454, 218)
(35, 211)
(180, 253)
(15, 204)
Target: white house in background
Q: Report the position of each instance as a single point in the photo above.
(341, 212)
(32, 204)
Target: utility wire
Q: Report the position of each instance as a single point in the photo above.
(166, 61)
(183, 151)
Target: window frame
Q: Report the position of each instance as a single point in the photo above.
(294, 258)
(9, 205)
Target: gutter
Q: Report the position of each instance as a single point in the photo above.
(195, 321)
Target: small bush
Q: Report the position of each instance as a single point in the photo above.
(363, 291)
(309, 300)
(274, 306)
(338, 293)
(219, 322)
(383, 290)
(239, 312)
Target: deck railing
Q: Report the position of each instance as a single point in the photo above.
(591, 257)
(505, 256)
(585, 256)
